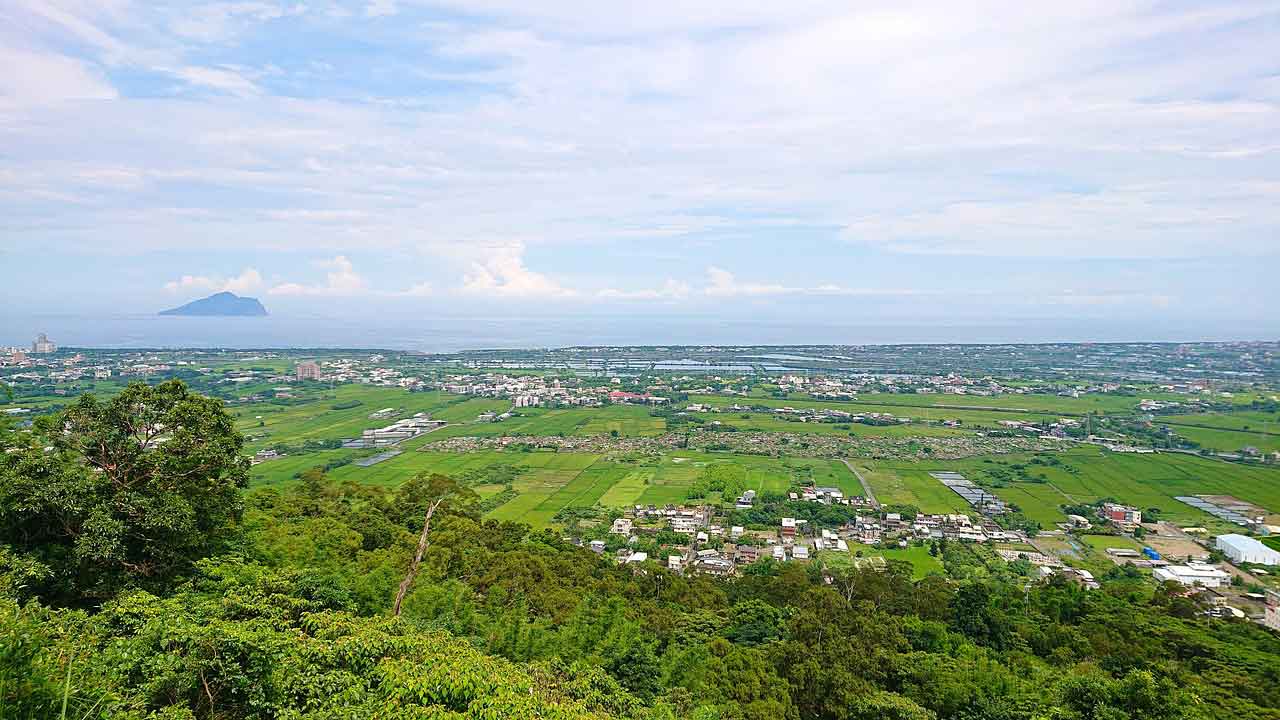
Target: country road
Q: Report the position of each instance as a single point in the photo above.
(866, 486)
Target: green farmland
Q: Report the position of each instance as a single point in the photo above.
(1085, 476)
(982, 417)
(626, 420)
(547, 482)
(330, 418)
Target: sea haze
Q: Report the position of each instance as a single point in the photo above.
(443, 333)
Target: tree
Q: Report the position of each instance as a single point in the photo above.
(434, 490)
(752, 622)
(129, 491)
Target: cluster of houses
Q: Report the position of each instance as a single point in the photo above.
(526, 390)
(846, 388)
(830, 496)
(719, 550)
(820, 415)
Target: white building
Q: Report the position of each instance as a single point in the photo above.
(1244, 549)
(43, 346)
(1272, 618)
(1191, 574)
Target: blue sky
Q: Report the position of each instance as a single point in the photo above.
(1117, 162)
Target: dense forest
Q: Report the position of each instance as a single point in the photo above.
(141, 578)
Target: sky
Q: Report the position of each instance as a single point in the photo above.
(1115, 164)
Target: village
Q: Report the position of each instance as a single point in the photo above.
(692, 539)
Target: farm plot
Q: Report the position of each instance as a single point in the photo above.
(763, 422)
(626, 420)
(332, 417)
(1083, 477)
(911, 484)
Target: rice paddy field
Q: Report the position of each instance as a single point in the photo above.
(1229, 432)
(332, 416)
(1085, 476)
(548, 482)
(626, 420)
(920, 411)
(762, 422)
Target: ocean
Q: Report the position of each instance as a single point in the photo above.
(444, 333)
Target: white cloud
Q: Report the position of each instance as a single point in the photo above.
(222, 79)
(1162, 220)
(39, 78)
(341, 280)
(220, 21)
(247, 281)
(502, 273)
(722, 283)
(423, 289)
(1117, 299)
(1073, 130)
(671, 290)
(381, 8)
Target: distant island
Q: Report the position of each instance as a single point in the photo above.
(223, 304)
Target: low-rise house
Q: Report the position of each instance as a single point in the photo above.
(1124, 516)
(788, 528)
(684, 525)
(714, 565)
(1192, 574)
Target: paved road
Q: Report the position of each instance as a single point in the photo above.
(866, 486)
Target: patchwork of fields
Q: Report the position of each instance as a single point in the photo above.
(1085, 476)
(549, 482)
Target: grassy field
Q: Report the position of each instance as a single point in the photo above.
(908, 484)
(1103, 542)
(922, 563)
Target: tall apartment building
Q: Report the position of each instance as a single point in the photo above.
(42, 345)
(307, 370)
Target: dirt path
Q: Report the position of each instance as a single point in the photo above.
(866, 486)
